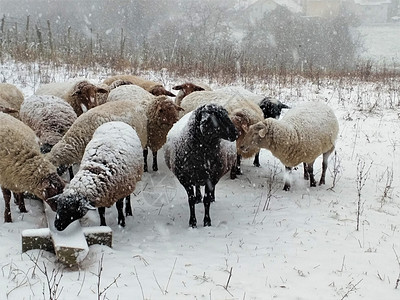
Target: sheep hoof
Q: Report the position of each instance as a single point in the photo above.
(239, 171)
(155, 168)
(313, 183)
(256, 164)
(286, 187)
(193, 223)
(207, 223)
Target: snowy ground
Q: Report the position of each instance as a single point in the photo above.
(304, 246)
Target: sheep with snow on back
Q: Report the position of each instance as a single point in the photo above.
(49, 116)
(272, 108)
(243, 113)
(161, 114)
(23, 167)
(199, 151)
(11, 99)
(304, 133)
(80, 94)
(110, 167)
(155, 88)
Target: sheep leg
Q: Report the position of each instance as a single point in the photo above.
(198, 194)
(155, 165)
(256, 161)
(120, 209)
(305, 171)
(102, 213)
(128, 207)
(310, 169)
(238, 169)
(71, 172)
(209, 196)
(7, 208)
(192, 203)
(288, 172)
(325, 165)
(19, 200)
(145, 153)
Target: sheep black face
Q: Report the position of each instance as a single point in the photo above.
(87, 94)
(70, 208)
(214, 123)
(272, 108)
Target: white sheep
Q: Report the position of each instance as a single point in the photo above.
(161, 114)
(23, 167)
(242, 111)
(70, 148)
(152, 87)
(188, 88)
(197, 151)
(80, 94)
(11, 99)
(304, 133)
(110, 167)
(49, 116)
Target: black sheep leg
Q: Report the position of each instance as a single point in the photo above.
(256, 161)
(7, 208)
(288, 171)
(145, 153)
(128, 206)
(310, 169)
(238, 169)
(120, 209)
(209, 196)
(155, 164)
(192, 203)
(20, 201)
(198, 194)
(102, 214)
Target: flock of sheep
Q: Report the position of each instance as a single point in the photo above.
(108, 128)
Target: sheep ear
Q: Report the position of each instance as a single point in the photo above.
(101, 90)
(245, 128)
(178, 87)
(86, 204)
(179, 108)
(283, 105)
(262, 133)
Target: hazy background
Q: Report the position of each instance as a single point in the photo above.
(207, 36)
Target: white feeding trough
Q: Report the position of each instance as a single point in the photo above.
(71, 246)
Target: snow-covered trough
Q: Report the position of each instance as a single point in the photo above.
(71, 246)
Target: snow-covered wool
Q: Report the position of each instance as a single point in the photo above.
(10, 99)
(70, 148)
(152, 87)
(199, 151)
(272, 108)
(23, 167)
(188, 88)
(49, 116)
(161, 114)
(76, 93)
(304, 133)
(110, 167)
(242, 111)
(102, 97)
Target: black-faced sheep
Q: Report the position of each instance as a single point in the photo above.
(23, 167)
(304, 133)
(110, 167)
(155, 88)
(242, 111)
(161, 114)
(197, 151)
(75, 93)
(272, 108)
(11, 99)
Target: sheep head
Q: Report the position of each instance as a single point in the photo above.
(51, 186)
(272, 108)
(159, 90)
(254, 137)
(213, 122)
(70, 207)
(167, 112)
(86, 94)
(188, 88)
